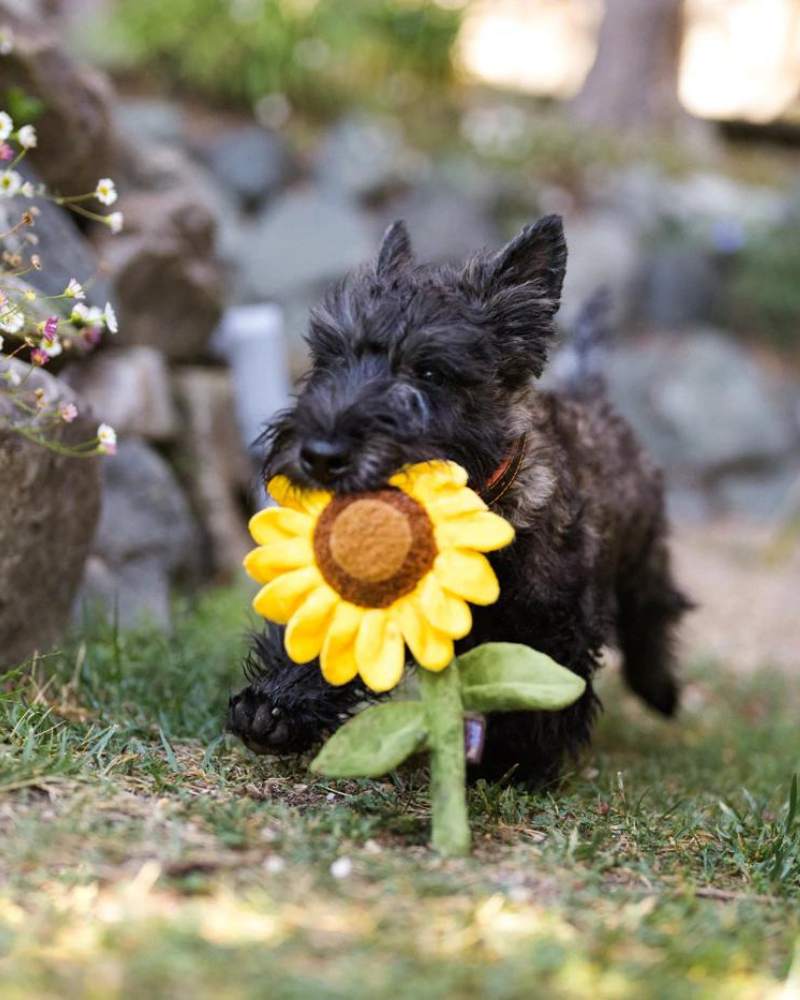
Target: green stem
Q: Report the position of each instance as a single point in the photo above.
(441, 695)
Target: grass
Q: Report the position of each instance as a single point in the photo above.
(145, 855)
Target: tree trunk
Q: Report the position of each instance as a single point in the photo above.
(633, 84)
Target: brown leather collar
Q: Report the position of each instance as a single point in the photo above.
(502, 479)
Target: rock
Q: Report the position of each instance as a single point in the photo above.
(64, 250)
(148, 122)
(251, 339)
(218, 470)
(365, 158)
(604, 250)
(129, 388)
(307, 240)
(167, 284)
(49, 505)
(77, 143)
(444, 224)
(146, 536)
(252, 163)
(701, 403)
(682, 286)
(761, 496)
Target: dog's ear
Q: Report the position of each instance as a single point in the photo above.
(395, 252)
(520, 290)
(537, 256)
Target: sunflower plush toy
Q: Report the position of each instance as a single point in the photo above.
(357, 579)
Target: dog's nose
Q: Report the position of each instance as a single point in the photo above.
(323, 460)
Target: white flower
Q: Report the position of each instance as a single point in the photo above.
(27, 137)
(115, 222)
(10, 182)
(74, 290)
(6, 42)
(27, 191)
(6, 125)
(1, 343)
(107, 438)
(14, 378)
(111, 318)
(342, 868)
(11, 320)
(52, 348)
(106, 191)
(80, 313)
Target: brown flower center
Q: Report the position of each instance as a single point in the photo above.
(373, 548)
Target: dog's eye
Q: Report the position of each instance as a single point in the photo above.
(427, 373)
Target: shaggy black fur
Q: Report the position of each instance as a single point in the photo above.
(415, 362)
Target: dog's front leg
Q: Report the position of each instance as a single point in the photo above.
(287, 707)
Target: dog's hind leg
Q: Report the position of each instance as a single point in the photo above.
(287, 707)
(649, 607)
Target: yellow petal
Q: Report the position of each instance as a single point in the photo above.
(279, 600)
(286, 494)
(276, 524)
(380, 653)
(447, 613)
(431, 648)
(269, 561)
(468, 575)
(483, 531)
(338, 656)
(454, 504)
(306, 630)
(427, 481)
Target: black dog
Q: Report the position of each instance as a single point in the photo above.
(418, 362)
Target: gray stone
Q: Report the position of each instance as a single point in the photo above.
(147, 121)
(167, 282)
(700, 402)
(604, 250)
(49, 505)
(682, 286)
(129, 388)
(366, 157)
(252, 163)
(760, 497)
(217, 468)
(146, 536)
(77, 142)
(64, 250)
(307, 240)
(443, 223)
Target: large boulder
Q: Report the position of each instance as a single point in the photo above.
(702, 404)
(63, 249)
(251, 163)
(167, 284)
(146, 537)
(49, 505)
(77, 144)
(306, 240)
(129, 388)
(365, 157)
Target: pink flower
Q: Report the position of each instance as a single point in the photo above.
(39, 357)
(92, 335)
(49, 329)
(6, 152)
(68, 412)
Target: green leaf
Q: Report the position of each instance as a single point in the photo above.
(374, 742)
(509, 677)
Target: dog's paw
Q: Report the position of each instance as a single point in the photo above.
(259, 724)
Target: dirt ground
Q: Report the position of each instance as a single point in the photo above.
(745, 580)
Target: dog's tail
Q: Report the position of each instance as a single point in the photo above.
(581, 362)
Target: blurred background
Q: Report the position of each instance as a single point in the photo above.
(260, 147)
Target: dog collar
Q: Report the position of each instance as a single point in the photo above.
(502, 479)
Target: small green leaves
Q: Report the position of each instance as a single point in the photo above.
(374, 742)
(506, 677)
